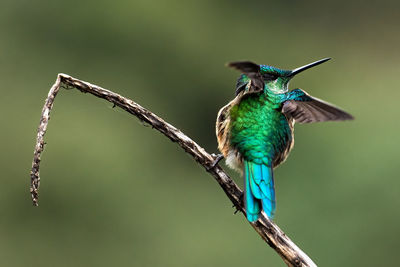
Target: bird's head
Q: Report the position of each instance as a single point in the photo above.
(267, 77)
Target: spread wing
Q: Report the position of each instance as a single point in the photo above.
(251, 70)
(307, 109)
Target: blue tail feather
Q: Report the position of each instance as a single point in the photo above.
(259, 189)
(252, 204)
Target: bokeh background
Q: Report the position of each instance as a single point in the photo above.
(115, 193)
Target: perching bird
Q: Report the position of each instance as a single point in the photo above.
(255, 129)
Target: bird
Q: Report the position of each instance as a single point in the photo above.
(255, 130)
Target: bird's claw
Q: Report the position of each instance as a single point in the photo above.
(217, 159)
(236, 209)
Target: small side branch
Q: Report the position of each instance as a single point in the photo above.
(44, 121)
(268, 231)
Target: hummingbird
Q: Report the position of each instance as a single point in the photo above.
(255, 129)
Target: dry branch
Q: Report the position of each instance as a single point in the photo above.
(268, 231)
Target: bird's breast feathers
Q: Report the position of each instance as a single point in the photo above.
(280, 141)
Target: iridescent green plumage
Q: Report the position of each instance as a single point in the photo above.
(255, 130)
(258, 129)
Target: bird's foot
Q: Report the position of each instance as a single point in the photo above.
(241, 203)
(217, 159)
(236, 209)
(237, 206)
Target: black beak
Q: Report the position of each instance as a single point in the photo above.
(303, 68)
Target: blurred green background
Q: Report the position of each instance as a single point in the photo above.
(115, 193)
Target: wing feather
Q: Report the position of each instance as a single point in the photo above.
(307, 109)
(251, 70)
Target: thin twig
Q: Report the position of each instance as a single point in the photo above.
(44, 120)
(268, 231)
